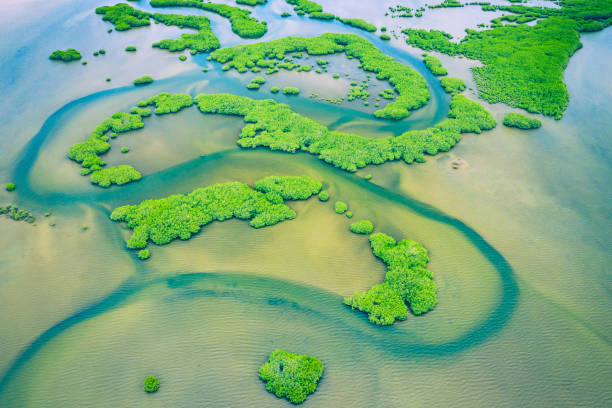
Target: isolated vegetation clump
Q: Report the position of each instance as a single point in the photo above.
(143, 80)
(289, 187)
(434, 65)
(251, 2)
(362, 227)
(291, 90)
(151, 384)
(359, 23)
(292, 376)
(324, 195)
(240, 19)
(130, 48)
(10, 187)
(144, 254)
(517, 120)
(452, 85)
(17, 214)
(68, 55)
(340, 207)
(410, 86)
(181, 216)
(322, 15)
(118, 175)
(407, 281)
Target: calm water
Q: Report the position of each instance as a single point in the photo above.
(519, 241)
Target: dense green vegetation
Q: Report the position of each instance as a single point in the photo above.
(324, 195)
(407, 280)
(143, 80)
(16, 214)
(251, 2)
(277, 127)
(411, 87)
(256, 83)
(167, 103)
(452, 85)
(144, 254)
(359, 23)
(588, 15)
(523, 64)
(362, 227)
(306, 6)
(118, 175)
(151, 384)
(10, 187)
(291, 90)
(87, 153)
(202, 41)
(340, 207)
(322, 15)
(385, 37)
(288, 188)
(447, 4)
(289, 375)
(68, 55)
(180, 216)
(315, 10)
(434, 65)
(240, 19)
(520, 121)
(125, 17)
(130, 48)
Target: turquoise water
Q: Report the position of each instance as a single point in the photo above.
(519, 240)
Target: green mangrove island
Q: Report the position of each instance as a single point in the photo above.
(407, 281)
(68, 55)
(275, 126)
(180, 216)
(523, 64)
(521, 121)
(151, 384)
(292, 376)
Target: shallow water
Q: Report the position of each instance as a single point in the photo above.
(519, 241)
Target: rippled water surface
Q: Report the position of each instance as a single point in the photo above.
(519, 241)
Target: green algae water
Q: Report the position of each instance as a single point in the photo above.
(519, 239)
